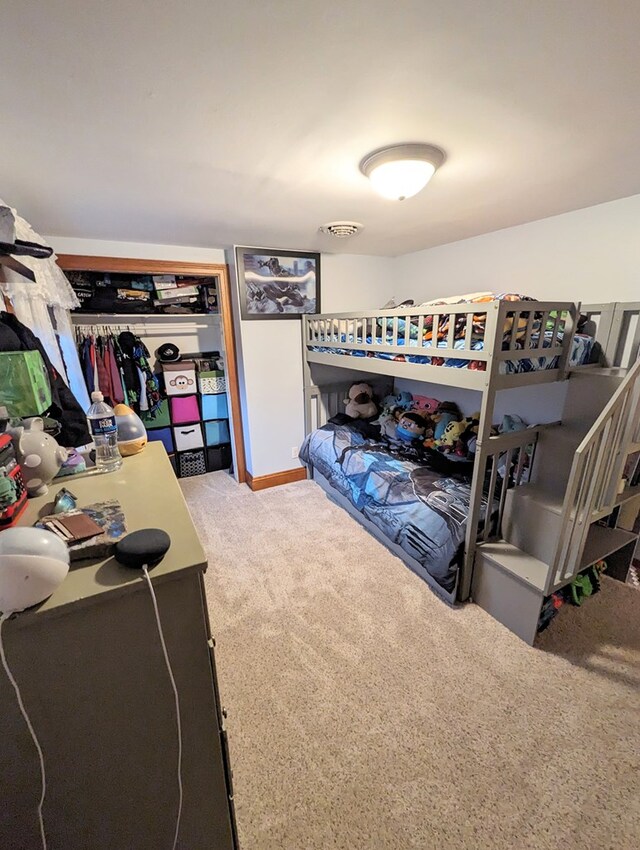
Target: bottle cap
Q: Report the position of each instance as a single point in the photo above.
(97, 396)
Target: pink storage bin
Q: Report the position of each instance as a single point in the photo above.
(184, 409)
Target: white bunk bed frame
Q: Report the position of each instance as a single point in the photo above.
(599, 460)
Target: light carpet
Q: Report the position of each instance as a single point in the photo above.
(365, 713)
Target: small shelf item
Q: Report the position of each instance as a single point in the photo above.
(180, 377)
(191, 463)
(219, 457)
(164, 436)
(184, 409)
(188, 437)
(215, 406)
(216, 432)
(212, 381)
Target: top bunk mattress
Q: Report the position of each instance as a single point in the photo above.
(580, 353)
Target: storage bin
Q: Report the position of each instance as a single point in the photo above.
(188, 437)
(24, 383)
(216, 432)
(215, 406)
(212, 382)
(174, 464)
(218, 457)
(184, 409)
(180, 378)
(161, 418)
(162, 435)
(191, 463)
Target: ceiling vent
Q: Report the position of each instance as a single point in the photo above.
(342, 229)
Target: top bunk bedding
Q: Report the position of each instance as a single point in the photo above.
(581, 349)
(462, 333)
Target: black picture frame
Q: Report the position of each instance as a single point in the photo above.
(277, 284)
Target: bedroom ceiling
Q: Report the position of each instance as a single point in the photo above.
(209, 123)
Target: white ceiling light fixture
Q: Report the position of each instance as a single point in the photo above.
(342, 229)
(401, 171)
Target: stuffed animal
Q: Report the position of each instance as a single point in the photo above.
(452, 433)
(425, 404)
(411, 426)
(466, 444)
(360, 403)
(403, 400)
(447, 412)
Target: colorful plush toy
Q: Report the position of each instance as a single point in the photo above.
(403, 400)
(452, 433)
(425, 404)
(360, 403)
(466, 444)
(448, 411)
(411, 426)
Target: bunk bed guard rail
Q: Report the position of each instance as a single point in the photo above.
(504, 330)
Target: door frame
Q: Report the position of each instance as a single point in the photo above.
(123, 265)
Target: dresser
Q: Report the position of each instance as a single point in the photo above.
(90, 667)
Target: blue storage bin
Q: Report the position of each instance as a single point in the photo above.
(215, 406)
(162, 435)
(216, 432)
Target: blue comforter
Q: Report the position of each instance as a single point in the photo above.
(416, 508)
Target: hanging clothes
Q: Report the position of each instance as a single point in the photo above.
(117, 392)
(118, 366)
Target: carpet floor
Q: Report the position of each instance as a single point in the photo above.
(365, 713)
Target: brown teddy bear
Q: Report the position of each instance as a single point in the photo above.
(360, 403)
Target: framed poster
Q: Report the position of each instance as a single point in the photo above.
(277, 284)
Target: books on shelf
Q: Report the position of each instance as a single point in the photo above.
(181, 292)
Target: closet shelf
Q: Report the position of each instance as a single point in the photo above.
(132, 318)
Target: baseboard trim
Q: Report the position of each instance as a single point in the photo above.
(262, 482)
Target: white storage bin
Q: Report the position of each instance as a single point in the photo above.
(180, 378)
(188, 437)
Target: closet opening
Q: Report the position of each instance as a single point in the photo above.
(180, 313)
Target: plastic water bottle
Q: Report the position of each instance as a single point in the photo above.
(104, 430)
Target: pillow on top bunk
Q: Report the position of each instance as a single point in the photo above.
(477, 297)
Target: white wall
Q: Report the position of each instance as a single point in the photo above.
(589, 255)
(271, 358)
(134, 250)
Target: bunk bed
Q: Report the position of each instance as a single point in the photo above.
(487, 346)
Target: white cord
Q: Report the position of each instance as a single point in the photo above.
(177, 701)
(31, 730)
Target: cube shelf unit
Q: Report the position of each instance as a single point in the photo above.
(192, 425)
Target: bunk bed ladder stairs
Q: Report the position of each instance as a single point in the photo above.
(547, 539)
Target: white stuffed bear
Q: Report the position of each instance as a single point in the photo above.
(360, 403)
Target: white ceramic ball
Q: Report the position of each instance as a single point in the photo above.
(33, 563)
(33, 541)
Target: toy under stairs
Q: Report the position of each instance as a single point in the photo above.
(549, 527)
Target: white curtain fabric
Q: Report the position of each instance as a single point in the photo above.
(38, 305)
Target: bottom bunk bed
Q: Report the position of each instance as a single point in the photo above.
(419, 512)
(417, 504)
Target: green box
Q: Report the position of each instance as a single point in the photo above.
(161, 418)
(24, 383)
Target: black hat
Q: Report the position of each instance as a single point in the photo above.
(168, 353)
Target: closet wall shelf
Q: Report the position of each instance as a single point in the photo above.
(132, 318)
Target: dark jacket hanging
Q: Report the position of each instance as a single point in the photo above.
(14, 336)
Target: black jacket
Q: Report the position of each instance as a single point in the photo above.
(14, 336)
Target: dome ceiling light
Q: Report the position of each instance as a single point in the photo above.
(401, 171)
